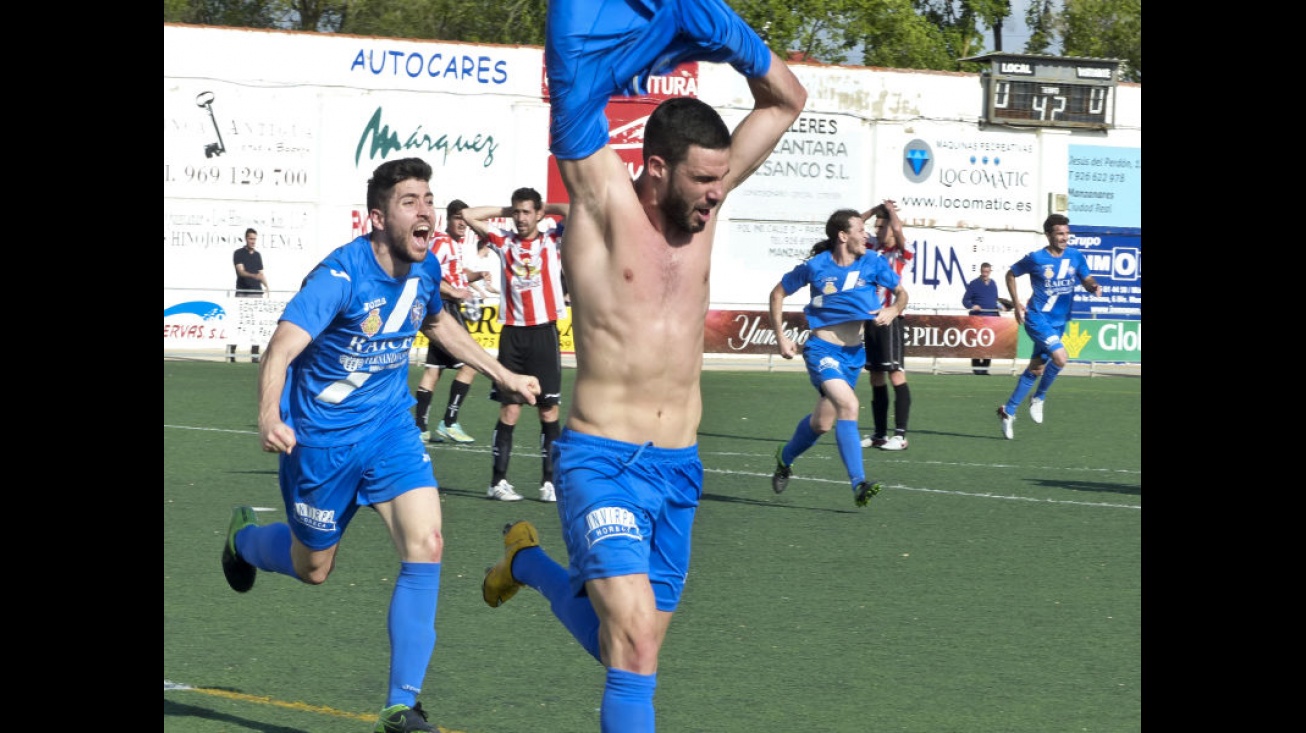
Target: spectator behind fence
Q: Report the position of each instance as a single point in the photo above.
(250, 280)
(981, 299)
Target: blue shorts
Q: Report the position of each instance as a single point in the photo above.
(324, 487)
(627, 509)
(594, 49)
(826, 361)
(1045, 334)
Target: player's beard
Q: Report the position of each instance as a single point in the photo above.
(400, 252)
(679, 212)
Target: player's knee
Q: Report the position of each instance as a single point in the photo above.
(429, 548)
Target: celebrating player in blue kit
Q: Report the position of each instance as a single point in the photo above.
(626, 467)
(844, 283)
(1053, 271)
(334, 403)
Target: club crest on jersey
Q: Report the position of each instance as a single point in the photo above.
(1047, 272)
(372, 323)
(415, 315)
(526, 268)
(828, 288)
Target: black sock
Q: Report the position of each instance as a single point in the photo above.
(901, 408)
(423, 406)
(880, 408)
(502, 440)
(549, 432)
(457, 391)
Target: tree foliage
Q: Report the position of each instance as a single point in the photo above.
(905, 34)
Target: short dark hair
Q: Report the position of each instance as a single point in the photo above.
(250, 231)
(984, 265)
(390, 174)
(454, 208)
(679, 123)
(1054, 220)
(526, 193)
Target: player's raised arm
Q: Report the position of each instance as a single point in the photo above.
(778, 99)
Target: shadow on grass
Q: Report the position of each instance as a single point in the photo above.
(179, 710)
(770, 503)
(1129, 490)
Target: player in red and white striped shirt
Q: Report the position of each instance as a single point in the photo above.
(447, 251)
(531, 303)
(885, 348)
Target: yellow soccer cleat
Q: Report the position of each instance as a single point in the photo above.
(499, 585)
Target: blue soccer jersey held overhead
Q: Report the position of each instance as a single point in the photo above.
(352, 380)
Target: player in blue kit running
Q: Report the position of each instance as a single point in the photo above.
(334, 403)
(843, 281)
(637, 256)
(1053, 271)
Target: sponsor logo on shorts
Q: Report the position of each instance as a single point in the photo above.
(314, 518)
(607, 522)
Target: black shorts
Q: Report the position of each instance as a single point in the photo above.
(884, 346)
(535, 351)
(438, 358)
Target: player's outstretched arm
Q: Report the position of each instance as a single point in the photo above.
(453, 337)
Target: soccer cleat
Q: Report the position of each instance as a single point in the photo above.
(873, 441)
(499, 585)
(452, 433)
(547, 493)
(864, 491)
(780, 479)
(1036, 410)
(1007, 422)
(426, 435)
(897, 442)
(503, 491)
(403, 719)
(240, 574)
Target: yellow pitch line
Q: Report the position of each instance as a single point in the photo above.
(298, 706)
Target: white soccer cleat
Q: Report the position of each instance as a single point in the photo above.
(873, 442)
(1036, 410)
(897, 442)
(1007, 423)
(503, 491)
(547, 492)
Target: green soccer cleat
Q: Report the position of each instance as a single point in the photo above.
(453, 433)
(864, 491)
(403, 719)
(240, 574)
(780, 479)
(499, 585)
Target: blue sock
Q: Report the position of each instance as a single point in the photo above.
(535, 568)
(411, 623)
(1050, 373)
(804, 438)
(628, 702)
(850, 450)
(267, 548)
(1023, 386)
